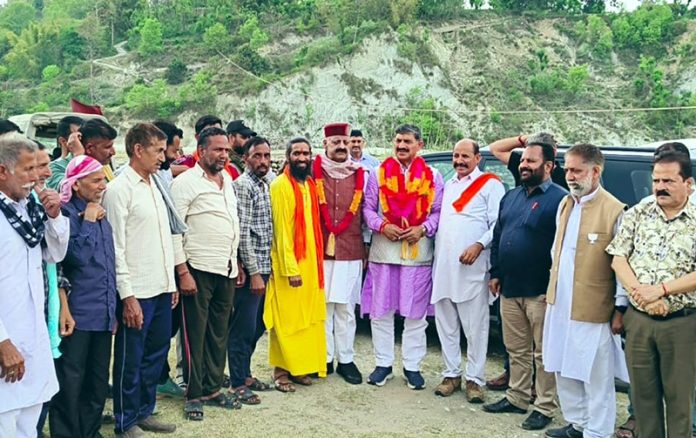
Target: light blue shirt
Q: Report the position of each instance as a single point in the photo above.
(371, 163)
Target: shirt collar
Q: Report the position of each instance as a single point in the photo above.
(256, 179)
(133, 176)
(78, 202)
(688, 210)
(544, 186)
(470, 177)
(199, 169)
(22, 202)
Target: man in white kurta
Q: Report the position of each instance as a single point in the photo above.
(470, 206)
(585, 356)
(22, 324)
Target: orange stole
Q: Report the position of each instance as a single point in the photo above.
(471, 191)
(300, 243)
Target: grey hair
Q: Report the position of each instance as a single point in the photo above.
(589, 153)
(12, 145)
(541, 138)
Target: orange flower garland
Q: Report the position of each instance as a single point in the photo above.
(324, 207)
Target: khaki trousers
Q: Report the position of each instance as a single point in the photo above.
(523, 326)
(662, 367)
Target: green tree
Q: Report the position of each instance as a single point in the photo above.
(217, 37)
(151, 38)
(50, 72)
(32, 50)
(576, 80)
(599, 35)
(198, 93)
(16, 16)
(252, 33)
(151, 100)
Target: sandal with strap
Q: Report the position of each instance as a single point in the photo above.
(257, 385)
(246, 396)
(222, 400)
(302, 380)
(193, 410)
(283, 384)
(628, 429)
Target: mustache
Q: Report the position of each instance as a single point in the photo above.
(455, 165)
(662, 193)
(525, 169)
(401, 149)
(344, 150)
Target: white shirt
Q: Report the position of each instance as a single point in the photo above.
(212, 239)
(570, 346)
(22, 309)
(142, 237)
(457, 231)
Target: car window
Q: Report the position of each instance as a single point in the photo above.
(494, 165)
(444, 166)
(630, 181)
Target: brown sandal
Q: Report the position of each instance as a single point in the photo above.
(282, 383)
(628, 429)
(302, 380)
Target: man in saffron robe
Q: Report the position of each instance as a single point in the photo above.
(402, 208)
(340, 183)
(295, 309)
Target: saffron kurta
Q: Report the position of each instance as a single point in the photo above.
(294, 316)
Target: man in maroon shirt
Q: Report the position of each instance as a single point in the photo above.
(340, 183)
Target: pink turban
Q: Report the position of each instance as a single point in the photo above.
(78, 168)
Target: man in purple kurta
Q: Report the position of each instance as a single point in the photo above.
(399, 277)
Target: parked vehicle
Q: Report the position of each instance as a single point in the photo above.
(42, 126)
(627, 171)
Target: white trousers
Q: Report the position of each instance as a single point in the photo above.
(340, 332)
(20, 423)
(591, 406)
(413, 341)
(472, 316)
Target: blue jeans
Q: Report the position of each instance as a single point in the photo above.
(246, 327)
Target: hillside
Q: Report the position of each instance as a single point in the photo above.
(482, 74)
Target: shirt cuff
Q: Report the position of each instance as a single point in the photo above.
(59, 224)
(621, 301)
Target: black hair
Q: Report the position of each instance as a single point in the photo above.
(254, 141)
(207, 121)
(8, 126)
(207, 133)
(676, 157)
(546, 151)
(673, 146)
(356, 133)
(409, 129)
(170, 129)
(63, 127)
(97, 129)
(294, 141)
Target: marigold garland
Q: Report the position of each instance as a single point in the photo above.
(324, 207)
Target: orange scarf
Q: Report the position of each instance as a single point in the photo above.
(300, 240)
(471, 191)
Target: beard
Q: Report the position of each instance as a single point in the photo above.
(299, 173)
(580, 188)
(166, 164)
(535, 178)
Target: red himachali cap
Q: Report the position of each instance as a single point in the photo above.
(336, 129)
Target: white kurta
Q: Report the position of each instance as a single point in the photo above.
(343, 281)
(570, 347)
(456, 232)
(22, 309)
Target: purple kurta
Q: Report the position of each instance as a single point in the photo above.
(403, 289)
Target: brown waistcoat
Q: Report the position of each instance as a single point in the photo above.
(594, 284)
(339, 194)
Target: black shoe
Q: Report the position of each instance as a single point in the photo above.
(564, 432)
(349, 372)
(536, 421)
(329, 368)
(503, 405)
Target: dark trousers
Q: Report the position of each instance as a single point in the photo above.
(83, 377)
(206, 324)
(246, 327)
(42, 419)
(138, 359)
(176, 323)
(662, 367)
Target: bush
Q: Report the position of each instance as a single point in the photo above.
(599, 35)
(217, 37)
(176, 72)
(577, 78)
(50, 72)
(151, 100)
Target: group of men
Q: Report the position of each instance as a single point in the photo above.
(215, 247)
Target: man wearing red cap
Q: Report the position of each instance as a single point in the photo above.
(340, 183)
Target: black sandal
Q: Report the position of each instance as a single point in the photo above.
(193, 410)
(257, 385)
(222, 400)
(246, 396)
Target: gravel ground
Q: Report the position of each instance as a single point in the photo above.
(333, 407)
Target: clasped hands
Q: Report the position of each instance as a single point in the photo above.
(411, 234)
(650, 297)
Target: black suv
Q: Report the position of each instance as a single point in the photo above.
(627, 171)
